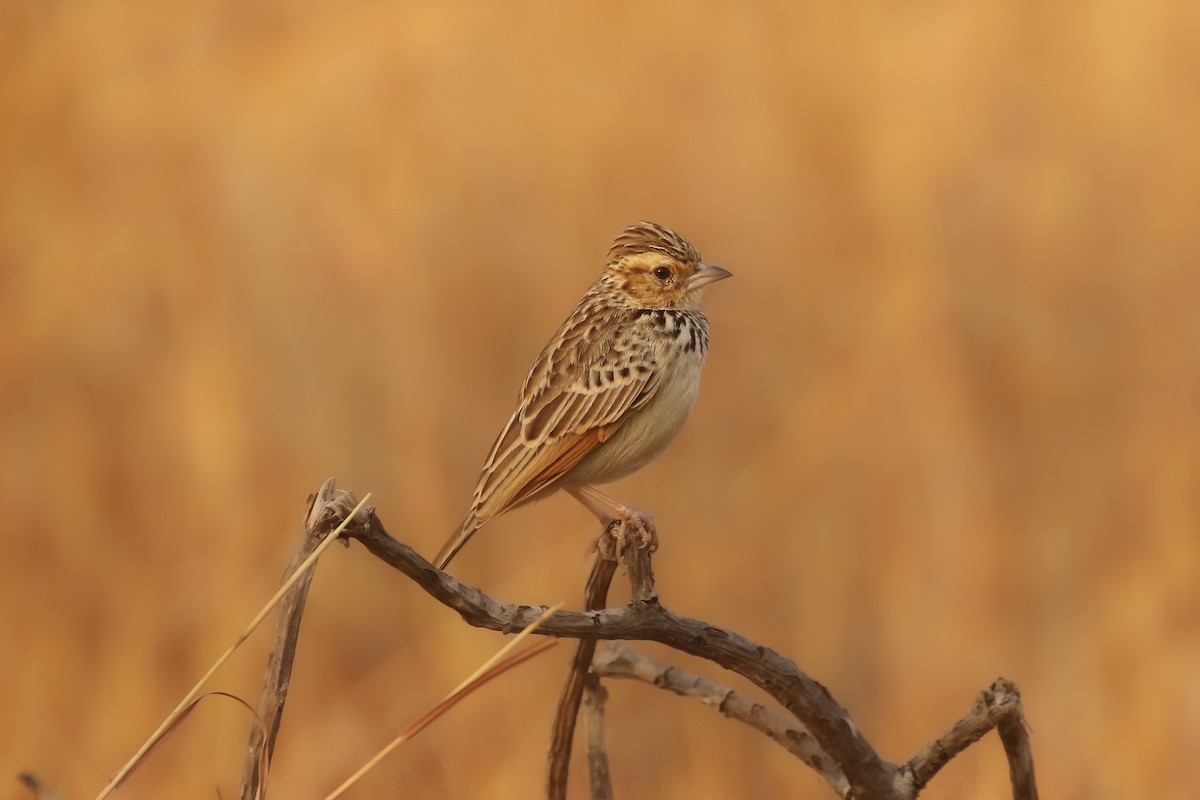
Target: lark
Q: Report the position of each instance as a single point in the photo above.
(609, 391)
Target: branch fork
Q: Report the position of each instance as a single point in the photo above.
(815, 728)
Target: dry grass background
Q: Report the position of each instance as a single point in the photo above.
(949, 427)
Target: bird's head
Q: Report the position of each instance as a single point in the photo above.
(650, 266)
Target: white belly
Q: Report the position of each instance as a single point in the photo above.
(645, 435)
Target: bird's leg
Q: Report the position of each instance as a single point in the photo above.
(620, 521)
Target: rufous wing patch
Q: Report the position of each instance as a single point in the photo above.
(562, 457)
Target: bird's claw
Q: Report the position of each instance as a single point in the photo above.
(632, 529)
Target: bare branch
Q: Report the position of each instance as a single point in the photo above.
(618, 661)
(997, 706)
(559, 761)
(599, 779)
(833, 745)
(318, 522)
(868, 774)
(641, 576)
(1014, 735)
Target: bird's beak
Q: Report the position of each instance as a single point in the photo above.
(708, 273)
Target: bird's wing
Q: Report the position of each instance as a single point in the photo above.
(577, 396)
(592, 376)
(598, 370)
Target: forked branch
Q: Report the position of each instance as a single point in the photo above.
(833, 746)
(838, 749)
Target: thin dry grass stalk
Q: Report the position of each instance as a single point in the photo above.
(172, 718)
(497, 665)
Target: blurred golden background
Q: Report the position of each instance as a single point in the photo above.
(949, 428)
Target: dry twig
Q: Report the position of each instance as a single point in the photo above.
(618, 661)
(260, 748)
(594, 697)
(562, 733)
(867, 776)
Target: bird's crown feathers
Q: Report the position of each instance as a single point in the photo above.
(648, 237)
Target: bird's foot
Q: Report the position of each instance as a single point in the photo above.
(623, 526)
(629, 528)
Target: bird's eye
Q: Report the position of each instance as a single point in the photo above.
(662, 273)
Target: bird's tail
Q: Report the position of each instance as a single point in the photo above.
(455, 543)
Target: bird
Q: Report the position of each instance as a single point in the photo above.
(609, 391)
